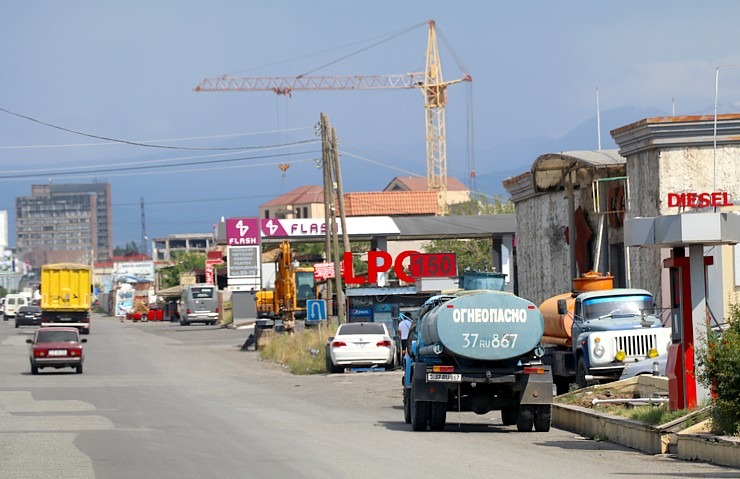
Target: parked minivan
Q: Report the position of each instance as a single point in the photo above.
(13, 302)
(199, 304)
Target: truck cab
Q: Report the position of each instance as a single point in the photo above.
(612, 328)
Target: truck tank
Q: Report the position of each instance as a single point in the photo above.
(482, 326)
(558, 326)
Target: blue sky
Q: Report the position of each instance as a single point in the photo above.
(126, 70)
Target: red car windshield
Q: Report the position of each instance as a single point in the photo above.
(56, 337)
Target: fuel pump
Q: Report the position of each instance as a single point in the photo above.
(680, 364)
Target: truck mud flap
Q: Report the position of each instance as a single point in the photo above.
(424, 391)
(536, 388)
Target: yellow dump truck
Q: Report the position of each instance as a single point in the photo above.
(66, 295)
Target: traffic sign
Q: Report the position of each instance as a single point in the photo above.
(315, 310)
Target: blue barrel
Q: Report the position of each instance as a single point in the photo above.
(484, 325)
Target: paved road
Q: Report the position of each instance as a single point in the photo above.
(158, 400)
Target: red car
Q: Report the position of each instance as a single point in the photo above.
(155, 313)
(56, 347)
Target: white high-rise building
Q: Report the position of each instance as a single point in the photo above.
(3, 230)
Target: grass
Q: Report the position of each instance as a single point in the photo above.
(652, 415)
(301, 352)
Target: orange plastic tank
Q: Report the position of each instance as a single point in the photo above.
(558, 326)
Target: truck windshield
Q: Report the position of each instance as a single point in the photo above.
(617, 306)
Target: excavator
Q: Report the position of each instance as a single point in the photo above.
(294, 285)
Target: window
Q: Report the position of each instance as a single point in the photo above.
(202, 292)
(56, 336)
(361, 328)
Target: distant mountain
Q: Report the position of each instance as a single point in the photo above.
(516, 157)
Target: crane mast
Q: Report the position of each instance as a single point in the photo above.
(430, 82)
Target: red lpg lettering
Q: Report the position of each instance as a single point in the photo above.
(399, 267)
(378, 262)
(374, 266)
(348, 273)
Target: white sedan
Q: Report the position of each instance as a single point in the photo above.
(361, 344)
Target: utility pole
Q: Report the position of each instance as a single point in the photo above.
(143, 228)
(335, 177)
(339, 189)
(326, 166)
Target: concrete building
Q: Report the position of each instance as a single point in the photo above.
(4, 230)
(64, 222)
(163, 249)
(590, 194)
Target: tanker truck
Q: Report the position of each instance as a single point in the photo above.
(593, 331)
(477, 351)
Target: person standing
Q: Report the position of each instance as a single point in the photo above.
(403, 331)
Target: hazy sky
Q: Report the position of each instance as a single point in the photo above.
(126, 71)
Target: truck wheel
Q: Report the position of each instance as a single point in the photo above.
(419, 413)
(525, 419)
(542, 418)
(509, 415)
(581, 372)
(437, 416)
(407, 405)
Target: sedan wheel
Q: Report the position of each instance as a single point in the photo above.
(34, 369)
(79, 369)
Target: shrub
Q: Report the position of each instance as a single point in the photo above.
(719, 370)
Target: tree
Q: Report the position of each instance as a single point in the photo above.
(183, 262)
(128, 249)
(474, 253)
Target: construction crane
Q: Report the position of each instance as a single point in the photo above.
(430, 82)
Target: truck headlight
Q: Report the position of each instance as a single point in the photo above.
(620, 356)
(599, 351)
(653, 353)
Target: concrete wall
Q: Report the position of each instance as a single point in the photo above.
(655, 173)
(542, 255)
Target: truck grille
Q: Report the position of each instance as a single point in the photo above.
(636, 345)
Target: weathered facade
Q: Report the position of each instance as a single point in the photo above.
(674, 155)
(658, 157)
(542, 199)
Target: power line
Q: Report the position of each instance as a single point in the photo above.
(109, 143)
(136, 143)
(146, 167)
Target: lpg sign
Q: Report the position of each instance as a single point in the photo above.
(421, 266)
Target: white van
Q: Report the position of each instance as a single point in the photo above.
(199, 304)
(13, 302)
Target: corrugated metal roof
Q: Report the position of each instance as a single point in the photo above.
(451, 227)
(548, 170)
